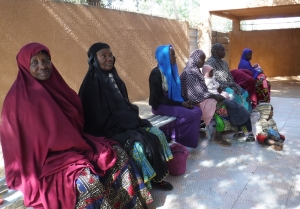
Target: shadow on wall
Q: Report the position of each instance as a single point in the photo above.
(69, 30)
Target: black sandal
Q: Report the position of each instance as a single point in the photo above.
(163, 185)
(238, 135)
(250, 138)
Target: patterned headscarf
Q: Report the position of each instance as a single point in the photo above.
(194, 58)
(221, 69)
(162, 55)
(192, 80)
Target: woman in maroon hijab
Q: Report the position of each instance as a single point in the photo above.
(48, 157)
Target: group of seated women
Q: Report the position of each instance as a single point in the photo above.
(62, 150)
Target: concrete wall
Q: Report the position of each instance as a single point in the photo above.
(205, 27)
(277, 51)
(69, 30)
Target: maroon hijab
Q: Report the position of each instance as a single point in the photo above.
(42, 138)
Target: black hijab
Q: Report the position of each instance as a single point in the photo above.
(107, 110)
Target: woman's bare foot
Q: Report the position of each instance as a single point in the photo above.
(278, 146)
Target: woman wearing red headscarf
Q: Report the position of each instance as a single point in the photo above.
(48, 157)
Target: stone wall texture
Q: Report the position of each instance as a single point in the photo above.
(68, 30)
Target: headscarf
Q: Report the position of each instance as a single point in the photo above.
(162, 55)
(105, 113)
(221, 70)
(245, 64)
(194, 89)
(42, 138)
(206, 70)
(108, 112)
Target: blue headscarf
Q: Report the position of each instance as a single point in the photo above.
(162, 55)
(245, 64)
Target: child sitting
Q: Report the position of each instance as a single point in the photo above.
(266, 128)
(212, 85)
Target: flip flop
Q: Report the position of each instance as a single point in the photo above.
(238, 135)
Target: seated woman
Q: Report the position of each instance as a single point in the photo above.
(244, 79)
(223, 76)
(47, 155)
(108, 112)
(194, 89)
(165, 99)
(263, 87)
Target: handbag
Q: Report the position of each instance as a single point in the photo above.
(177, 166)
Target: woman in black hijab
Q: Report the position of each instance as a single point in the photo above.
(108, 112)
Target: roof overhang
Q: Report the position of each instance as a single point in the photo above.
(259, 12)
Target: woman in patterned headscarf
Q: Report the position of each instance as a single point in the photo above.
(223, 76)
(194, 89)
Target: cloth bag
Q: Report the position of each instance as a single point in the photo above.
(177, 166)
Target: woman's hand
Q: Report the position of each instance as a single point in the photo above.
(187, 104)
(218, 97)
(219, 89)
(231, 84)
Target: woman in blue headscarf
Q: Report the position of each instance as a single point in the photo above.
(165, 99)
(263, 87)
(245, 63)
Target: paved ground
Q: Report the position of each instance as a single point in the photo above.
(245, 175)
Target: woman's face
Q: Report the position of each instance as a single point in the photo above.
(249, 56)
(40, 66)
(105, 59)
(221, 52)
(172, 56)
(201, 61)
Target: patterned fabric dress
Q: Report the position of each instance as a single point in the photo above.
(138, 154)
(263, 89)
(114, 190)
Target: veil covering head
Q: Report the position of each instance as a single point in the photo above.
(103, 114)
(170, 71)
(42, 138)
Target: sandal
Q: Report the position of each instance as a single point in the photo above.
(238, 135)
(250, 138)
(222, 142)
(163, 185)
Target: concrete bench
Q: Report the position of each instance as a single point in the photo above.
(160, 120)
(12, 199)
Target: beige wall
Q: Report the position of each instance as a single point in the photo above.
(205, 27)
(69, 30)
(277, 51)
